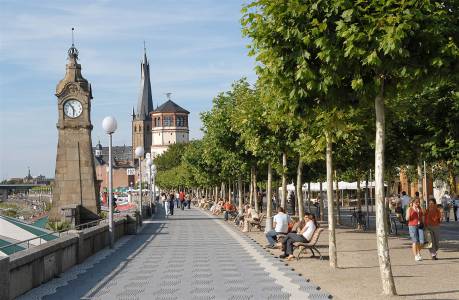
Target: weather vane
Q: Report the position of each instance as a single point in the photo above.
(73, 40)
(168, 95)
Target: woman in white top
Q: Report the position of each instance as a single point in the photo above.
(303, 236)
(166, 204)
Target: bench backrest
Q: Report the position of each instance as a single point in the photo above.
(315, 236)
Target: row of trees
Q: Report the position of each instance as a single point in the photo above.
(359, 84)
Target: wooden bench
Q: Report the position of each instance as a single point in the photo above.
(310, 245)
(258, 223)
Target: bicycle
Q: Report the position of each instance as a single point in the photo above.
(393, 230)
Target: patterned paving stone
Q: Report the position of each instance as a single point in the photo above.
(190, 255)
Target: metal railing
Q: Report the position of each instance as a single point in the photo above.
(26, 244)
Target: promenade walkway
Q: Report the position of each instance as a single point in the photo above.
(190, 255)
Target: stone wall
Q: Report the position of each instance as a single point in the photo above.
(27, 269)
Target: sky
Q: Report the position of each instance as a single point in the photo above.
(195, 48)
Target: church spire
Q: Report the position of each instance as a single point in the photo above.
(145, 103)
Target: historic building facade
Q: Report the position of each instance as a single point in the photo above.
(153, 129)
(156, 129)
(170, 126)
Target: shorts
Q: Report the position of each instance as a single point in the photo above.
(416, 234)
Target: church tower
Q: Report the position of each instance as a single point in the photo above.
(75, 191)
(141, 120)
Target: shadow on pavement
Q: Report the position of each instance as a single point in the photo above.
(82, 285)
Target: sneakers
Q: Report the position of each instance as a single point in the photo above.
(418, 258)
(434, 257)
(283, 256)
(271, 246)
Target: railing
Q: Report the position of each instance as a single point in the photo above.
(22, 244)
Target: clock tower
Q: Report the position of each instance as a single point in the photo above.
(75, 190)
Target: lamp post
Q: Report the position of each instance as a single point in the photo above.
(149, 163)
(153, 173)
(139, 154)
(109, 125)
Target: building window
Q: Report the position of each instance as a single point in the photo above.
(167, 121)
(180, 121)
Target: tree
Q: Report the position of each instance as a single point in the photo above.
(392, 47)
(300, 59)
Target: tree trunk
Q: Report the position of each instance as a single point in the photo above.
(420, 190)
(229, 192)
(223, 190)
(216, 193)
(452, 180)
(338, 205)
(284, 181)
(251, 186)
(381, 230)
(309, 196)
(269, 202)
(321, 202)
(331, 218)
(359, 205)
(240, 193)
(299, 188)
(255, 194)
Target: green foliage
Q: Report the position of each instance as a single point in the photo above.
(171, 158)
(57, 226)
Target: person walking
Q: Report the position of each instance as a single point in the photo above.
(406, 200)
(415, 219)
(182, 200)
(171, 204)
(165, 201)
(455, 203)
(188, 201)
(445, 202)
(432, 221)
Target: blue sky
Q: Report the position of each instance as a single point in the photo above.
(195, 48)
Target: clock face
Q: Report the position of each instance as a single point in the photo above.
(73, 108)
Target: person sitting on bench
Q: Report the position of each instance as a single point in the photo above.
(229, 210)
(251, 216)
(303, 236)
(280, 222)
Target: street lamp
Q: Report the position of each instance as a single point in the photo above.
(139, 154)
(109, 125)
(149, 163)
(153, 173)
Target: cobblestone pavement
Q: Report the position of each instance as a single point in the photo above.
(191, 255)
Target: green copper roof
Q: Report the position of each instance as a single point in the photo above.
(9, 250)
(37, 231)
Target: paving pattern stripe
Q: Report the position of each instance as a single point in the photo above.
(192, 256)
(279, 276)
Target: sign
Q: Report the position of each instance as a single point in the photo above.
(130, 171)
